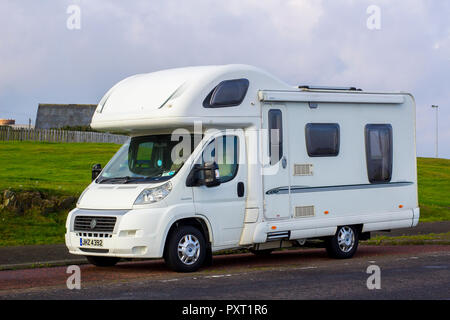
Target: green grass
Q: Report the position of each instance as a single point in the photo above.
(434, 189)
(32, 229)
(56, 168)
(421, 239)
(65, 169)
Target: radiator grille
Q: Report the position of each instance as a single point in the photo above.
(101, 224)
(303, 169)
(305, 211)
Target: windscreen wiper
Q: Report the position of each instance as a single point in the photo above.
(115, 180)
(129, 179)
(153, 178)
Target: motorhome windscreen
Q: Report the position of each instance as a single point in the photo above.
(146, 159)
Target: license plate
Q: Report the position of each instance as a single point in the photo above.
(91, 242)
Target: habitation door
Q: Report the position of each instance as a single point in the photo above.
(224, 205)
(275, 162)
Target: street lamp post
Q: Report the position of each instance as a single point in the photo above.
(437, 129)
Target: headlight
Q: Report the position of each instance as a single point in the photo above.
(152, 195)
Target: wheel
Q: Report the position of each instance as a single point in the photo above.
(102, 261)
(344, 243)
(186, 249)
(265, 252)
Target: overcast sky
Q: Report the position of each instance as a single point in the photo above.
(323, 42)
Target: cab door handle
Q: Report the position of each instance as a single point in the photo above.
(240, 189)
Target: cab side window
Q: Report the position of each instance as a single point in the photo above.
(224, 151)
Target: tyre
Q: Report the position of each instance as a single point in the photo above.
(344, 243)
(208, 257)
(186, 249)
(102, 261)
(261, 253)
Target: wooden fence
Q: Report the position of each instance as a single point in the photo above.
(55, 135)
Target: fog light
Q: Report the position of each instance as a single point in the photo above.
(139, 250)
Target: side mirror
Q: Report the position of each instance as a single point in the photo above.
(96, 170)
(206, 175)
(211, 174)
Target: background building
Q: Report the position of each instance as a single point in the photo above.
(50, 116)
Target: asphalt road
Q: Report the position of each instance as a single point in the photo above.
(407, 272)
(19, 257)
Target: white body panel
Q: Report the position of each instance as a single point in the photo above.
(337, 190)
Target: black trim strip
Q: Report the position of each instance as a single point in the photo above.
(90, 250)
(305, 189)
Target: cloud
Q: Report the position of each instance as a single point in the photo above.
(324, 42)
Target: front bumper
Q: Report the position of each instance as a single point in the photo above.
(135, 234)
(130, 247)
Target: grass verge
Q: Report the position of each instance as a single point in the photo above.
(32, 229)
(422, 239)
(434, 189)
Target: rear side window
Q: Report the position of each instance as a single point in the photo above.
(322, 139)
(379, 152)
(275, 135)
(228, 93)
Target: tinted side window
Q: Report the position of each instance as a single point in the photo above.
(275, 135)
(229, 93)
(379, 152)
(223, 151)
(322, 139)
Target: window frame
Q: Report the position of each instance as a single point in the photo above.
(308, 141)
(367, 129)
(207, 101)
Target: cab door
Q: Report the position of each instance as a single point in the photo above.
(224, 205)
(276, 171)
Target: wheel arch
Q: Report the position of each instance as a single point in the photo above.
(196, 221)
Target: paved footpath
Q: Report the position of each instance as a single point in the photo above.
(18, 257)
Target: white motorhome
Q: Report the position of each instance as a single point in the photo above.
(224, 157)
